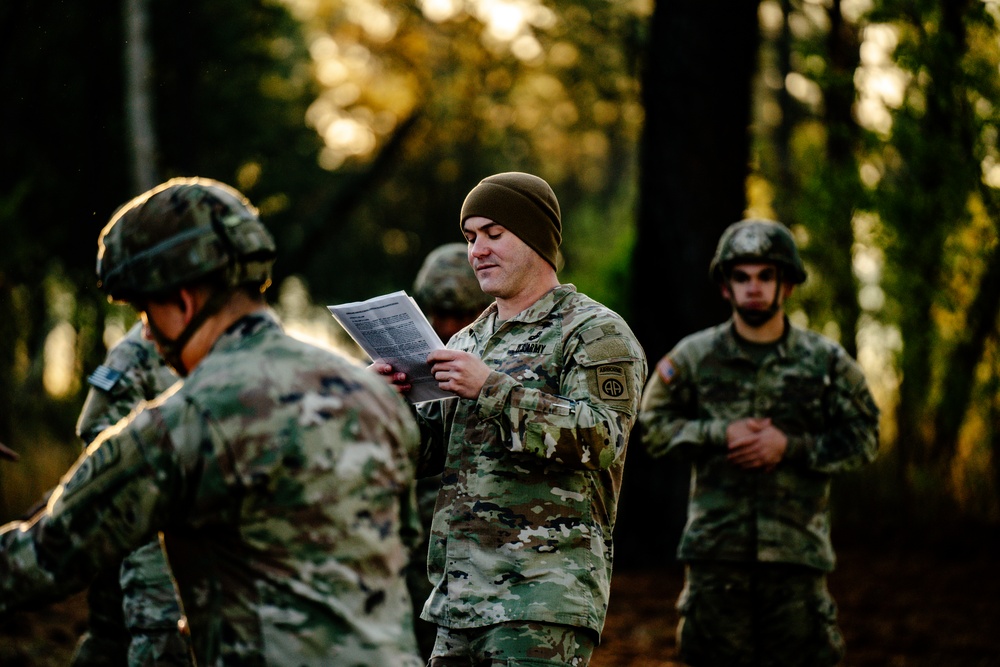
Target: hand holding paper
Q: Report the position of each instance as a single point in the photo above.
(392, 329)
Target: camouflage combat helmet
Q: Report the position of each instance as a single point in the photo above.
(757, 240)
(447, 283)
(180, 232)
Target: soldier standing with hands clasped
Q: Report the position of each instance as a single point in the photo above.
(278, 472)
(533, 447)
(768, 412)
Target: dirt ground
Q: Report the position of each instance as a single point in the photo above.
(898, 607)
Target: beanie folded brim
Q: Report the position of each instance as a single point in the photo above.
(523, 204)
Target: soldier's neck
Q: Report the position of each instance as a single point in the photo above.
(236, 307)
(525, 298)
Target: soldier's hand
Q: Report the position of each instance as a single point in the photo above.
(9, 454)
(461, 373)
(755, 444)
(743, 429)
(398, 380)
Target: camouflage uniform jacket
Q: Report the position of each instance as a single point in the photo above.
(278, 472)
(138, 625)
(812, 390)
(533, 467)
(132, 372)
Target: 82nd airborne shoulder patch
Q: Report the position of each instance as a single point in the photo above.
(612, 383)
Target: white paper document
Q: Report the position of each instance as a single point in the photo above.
(392, 329)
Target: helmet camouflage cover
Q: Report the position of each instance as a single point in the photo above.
(447, 283)
(179, 233)
(758, 241)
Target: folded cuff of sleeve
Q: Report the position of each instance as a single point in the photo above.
(716, 432)
(493, 395)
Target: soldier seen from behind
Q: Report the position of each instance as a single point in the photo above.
(768, 413)
(134, 615)
(278, 472)
(532, 448)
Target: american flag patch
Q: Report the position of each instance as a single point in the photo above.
(104, 377)
(666, 370)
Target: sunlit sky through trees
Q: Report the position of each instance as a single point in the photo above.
(364, 94)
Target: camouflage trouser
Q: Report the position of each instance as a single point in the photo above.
(105, 643)
(152, 612)
(417, 580)
(513, 644)
(133, 616)
(420, 589)
(757, 615)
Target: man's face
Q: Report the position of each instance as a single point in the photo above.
(755, 292)
(504, 264)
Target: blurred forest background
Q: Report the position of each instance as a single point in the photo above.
(357, 126)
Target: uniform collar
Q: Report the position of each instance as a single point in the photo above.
(730, 341)
(249, 325)
(536, 312)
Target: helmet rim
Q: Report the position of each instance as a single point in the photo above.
(758, 240)
(184, 231)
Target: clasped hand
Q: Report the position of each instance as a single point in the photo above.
(755, 443)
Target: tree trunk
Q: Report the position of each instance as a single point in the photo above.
(694, 164)
(842, 141)
(9, 335)
(993, 413)
(931, 203)
(980, 324)
(138, 99)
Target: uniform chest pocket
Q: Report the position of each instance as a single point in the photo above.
(725, 390)
(534, 372)
(802, 390)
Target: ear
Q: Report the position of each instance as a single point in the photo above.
(724, 289)
(189, 302)
(787, 289)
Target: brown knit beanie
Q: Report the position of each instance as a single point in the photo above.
(522, 203)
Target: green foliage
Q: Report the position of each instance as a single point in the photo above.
(446, 101)
(228, 104)
(882, 166)
(931, 182)
(598, 250)
(356, 128)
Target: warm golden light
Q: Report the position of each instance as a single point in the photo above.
(880, 83)
(439, 10)
(59, 375)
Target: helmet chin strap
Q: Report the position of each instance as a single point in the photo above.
(172, 350)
